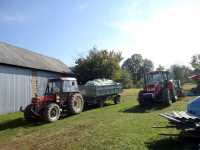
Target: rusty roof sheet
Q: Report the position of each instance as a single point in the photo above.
(13, 55)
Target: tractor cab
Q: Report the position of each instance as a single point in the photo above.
(61, 85)
(155, 79)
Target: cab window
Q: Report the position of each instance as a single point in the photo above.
(54, 87)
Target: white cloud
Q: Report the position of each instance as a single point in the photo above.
(167, 36)
(14, 18)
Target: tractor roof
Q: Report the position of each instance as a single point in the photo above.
(68, 78)
(156, 72)
(63, 79)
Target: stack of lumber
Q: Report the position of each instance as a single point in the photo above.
(188, 123)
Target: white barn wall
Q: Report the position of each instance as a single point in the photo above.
(16, 87)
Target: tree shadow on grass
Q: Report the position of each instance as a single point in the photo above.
(139, 109)
(173, 144)
(19, 122)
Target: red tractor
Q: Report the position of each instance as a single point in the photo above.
(158, 88)
(61, 95)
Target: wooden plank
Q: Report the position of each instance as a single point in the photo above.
(176, 114)
(185, 115)
(170, 118)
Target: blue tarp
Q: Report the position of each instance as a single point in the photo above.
(194, 107)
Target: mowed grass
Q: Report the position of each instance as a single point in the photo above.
(124, 126)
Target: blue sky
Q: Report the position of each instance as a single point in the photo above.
(67, 29)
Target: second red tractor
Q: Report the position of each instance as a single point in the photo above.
(158, 88)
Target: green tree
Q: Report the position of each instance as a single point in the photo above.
(160, 68)
(148, 65)
(136, 65)
(180, 72)
(126, 79)
(195, 63)
(98, 64)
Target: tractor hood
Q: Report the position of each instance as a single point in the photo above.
(193, 107)
(43, 99)
(151, 86)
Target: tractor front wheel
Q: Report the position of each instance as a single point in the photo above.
(75, 104)
(28, 114)
(52, 112)
(141, 100)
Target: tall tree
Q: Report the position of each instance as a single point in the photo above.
(126, 79)
(180, 72)
(160, 68)
(195, 62)
(136, 65)
(148, 65)
(98, 64)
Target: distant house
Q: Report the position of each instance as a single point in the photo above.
(24, 73)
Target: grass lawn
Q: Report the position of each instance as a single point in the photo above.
(124, 126)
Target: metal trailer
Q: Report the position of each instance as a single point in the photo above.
(99, 94)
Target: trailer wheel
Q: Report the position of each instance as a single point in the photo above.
(52, 112)
(28, 114)
(117, 99)
(75, 104)
(100, 103)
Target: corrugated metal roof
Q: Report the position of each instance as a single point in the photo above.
(13, 55)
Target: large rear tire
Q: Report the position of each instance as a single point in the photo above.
(166, 96)
(28, 114)
(75, 104)
(52, 112)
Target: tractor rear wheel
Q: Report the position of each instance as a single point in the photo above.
(52, 112)
(75, 104)
(117, 99)
(28, 114)
(166, 96)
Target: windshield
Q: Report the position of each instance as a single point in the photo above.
(156, 77)
(54, 87)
